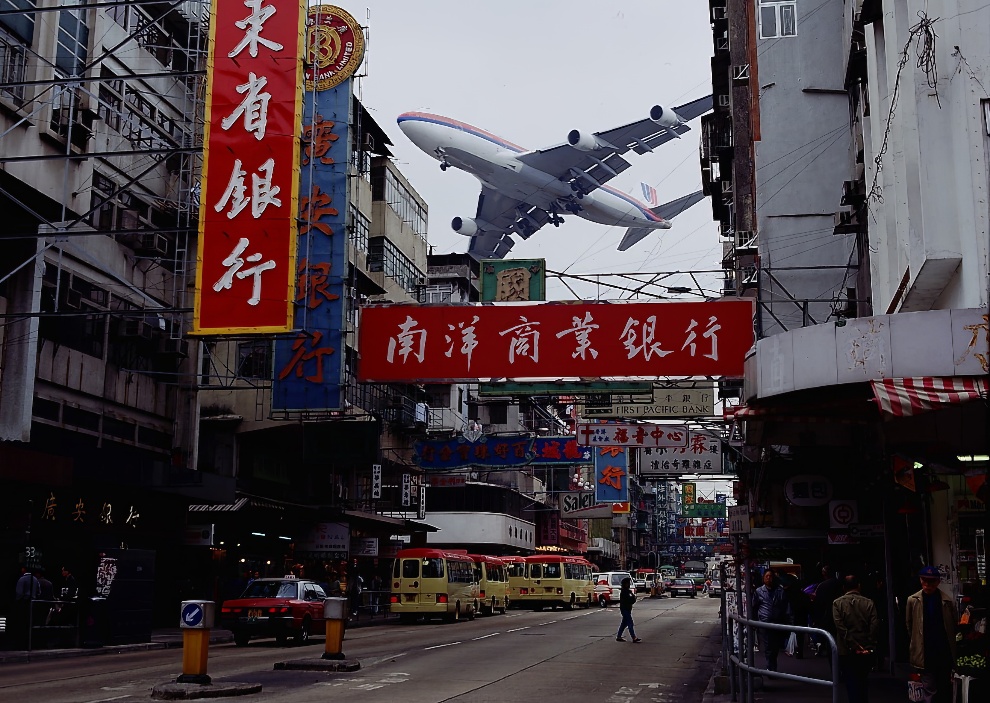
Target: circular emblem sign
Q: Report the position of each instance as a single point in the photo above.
(334, 47)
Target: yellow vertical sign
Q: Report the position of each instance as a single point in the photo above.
(688, 494)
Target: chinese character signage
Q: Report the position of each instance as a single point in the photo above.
(376, 481)
(499, 452)
(611, 475)
(245, 273)
(631, 435)
(309, 365)
(704, 510)
(664, 403)
(327, 537)
(513, 280)
(808, 490)
(422, 343)
(702, 454)
(688, 495)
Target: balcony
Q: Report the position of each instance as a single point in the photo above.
(445, 420)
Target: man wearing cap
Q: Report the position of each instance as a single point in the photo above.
(931, 625)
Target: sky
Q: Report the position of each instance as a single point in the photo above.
(530, 71)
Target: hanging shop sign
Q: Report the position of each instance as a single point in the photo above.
(808, 490)
(664, 403)
(702, 454)
(739, 519)
(611, 475)
(500, 452)
(309, 363)
(422, 343)
(245, 277)
(582, 504)
(513, 280)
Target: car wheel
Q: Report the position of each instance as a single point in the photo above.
(241, 639)
(570, 604)
(602, 602)
(472, 611)
(302, 636)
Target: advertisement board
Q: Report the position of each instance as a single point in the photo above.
(513, 280)
(425, 343)
(664, 403)
(499, 452)
(702, 454)
(611, 475)
(245, 273)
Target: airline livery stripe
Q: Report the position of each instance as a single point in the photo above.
(461, 126)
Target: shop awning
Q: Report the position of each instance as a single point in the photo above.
(900, 397)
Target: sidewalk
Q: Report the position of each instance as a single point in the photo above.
(883, 687)
(163, 638)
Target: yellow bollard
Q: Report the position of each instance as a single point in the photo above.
(335, 614)
(196, 620)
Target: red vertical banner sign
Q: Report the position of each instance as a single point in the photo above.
(245, 274)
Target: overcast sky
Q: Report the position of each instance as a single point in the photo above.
(530, 71)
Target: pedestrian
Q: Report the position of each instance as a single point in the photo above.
(70, 589)
(26, 590)
(355, 586)
(626, 600)
(828, 590)
(334, 588)
(857, 628)
(46, 591)
(931, 625)
(800, 605)
(376, 593)
(770, 605)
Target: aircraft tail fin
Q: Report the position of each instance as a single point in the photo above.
(667, 211)
(670, 210)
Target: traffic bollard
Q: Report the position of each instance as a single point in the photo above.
(196, 621)
(335, 615)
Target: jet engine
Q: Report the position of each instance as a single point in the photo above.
(465, 226)
(581, 141)
(664, 116)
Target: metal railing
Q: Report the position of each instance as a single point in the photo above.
(47, 617)
(741, 671)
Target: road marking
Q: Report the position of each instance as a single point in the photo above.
(484, 637)
(517, 629)
(115, 698)
(438, 646)
(548, 622)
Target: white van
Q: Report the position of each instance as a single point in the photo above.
(607, 586)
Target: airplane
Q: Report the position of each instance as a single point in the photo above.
(523, 190)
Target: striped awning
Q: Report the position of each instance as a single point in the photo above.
(900, 397)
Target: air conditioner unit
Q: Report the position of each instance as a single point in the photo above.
(726, 186)
(718, 13)
(99, 296)
(422, 281)
(134, 329)
(740, 74)
(174, 347)
(723, 100)
(153, 244)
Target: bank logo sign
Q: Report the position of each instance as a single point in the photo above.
(664, 403)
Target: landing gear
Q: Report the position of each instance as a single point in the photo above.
(444, 164)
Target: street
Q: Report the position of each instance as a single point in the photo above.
(522, 655)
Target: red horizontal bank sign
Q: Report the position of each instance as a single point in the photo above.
(246, 275)
(416, 343)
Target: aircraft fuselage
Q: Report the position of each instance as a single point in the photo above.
(493, 161)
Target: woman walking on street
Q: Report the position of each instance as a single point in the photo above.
(626, 600)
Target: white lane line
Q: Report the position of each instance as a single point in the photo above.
(438, 646)
(115, 698)
(548, 622)
(517, 629)
(484, 637)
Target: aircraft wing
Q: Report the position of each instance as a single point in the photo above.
(591, 169)
(499, 217)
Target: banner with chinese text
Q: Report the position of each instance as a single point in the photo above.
(611, 475)
(245, 272)
(702, 454)
(421, 343)
(499, 452)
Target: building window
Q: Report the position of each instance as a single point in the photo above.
(436, 294)
(385, 257)
(398, 197)
(254, 359)
(360, 230)
(13, 65)
(72, 40)
(778, 19)
(20, 23)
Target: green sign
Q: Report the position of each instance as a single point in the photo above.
(564, 388)
(509, 280)
(703, 510)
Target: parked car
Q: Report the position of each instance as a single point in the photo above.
(275, 607)
(639, 585)
(607, 586)
(683, 586)
(715, 589)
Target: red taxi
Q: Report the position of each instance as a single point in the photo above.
(275, 607)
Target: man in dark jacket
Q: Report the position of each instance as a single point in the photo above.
(856, 628)
(770, 605)
(821, 609)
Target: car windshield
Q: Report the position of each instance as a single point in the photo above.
(271, 589)
(684, 582)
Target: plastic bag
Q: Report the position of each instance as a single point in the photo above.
(791, 647)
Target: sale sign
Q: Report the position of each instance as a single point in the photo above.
(245, 274)
(426, 343)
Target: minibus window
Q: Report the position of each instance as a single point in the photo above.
(551, 571)
(432, 568)
(410, 568)
(535, 571)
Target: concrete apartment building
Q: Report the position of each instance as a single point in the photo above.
(856, 136)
